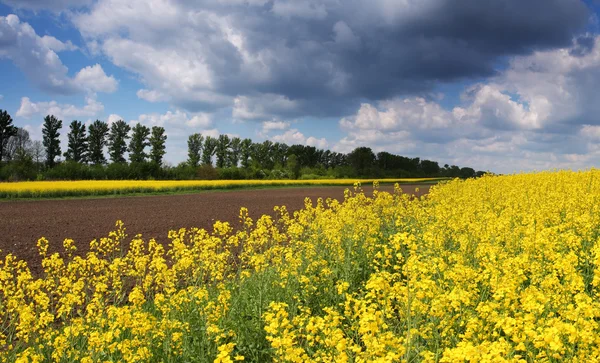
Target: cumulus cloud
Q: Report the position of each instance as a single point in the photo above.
(317, 55)
(56, 45)
(538, 112)
(177, 119)
(293, 136)
(94, 79)
(28, 109)
(268, 126)
(36, 56)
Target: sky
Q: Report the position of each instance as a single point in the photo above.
(504, 86)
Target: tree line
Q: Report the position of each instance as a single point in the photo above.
(208, 157)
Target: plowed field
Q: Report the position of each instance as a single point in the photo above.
(22, 223)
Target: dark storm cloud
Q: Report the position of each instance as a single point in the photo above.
(322, 53)
(400, 54)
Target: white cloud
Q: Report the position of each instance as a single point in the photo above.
(316, 142)
(64, 112)
(293, 136)
(539, 91)
(151, 95)
(36, 57)
(112, 118)
(177, 119)
(538, 113)
(498, 110)
(399, 114)
(94, 79)
(56, 45)
(268, 126)
(1, 97)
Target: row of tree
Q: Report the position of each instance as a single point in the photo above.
(234, 158)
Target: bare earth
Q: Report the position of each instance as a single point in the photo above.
(22, 223)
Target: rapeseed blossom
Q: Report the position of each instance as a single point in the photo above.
(498, 269)
(50, 189)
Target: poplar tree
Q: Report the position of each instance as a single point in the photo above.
(222, 150)
(195, 149)
(157, 144)
(7, 130)
(77, 146)
(97, 133)
(50, 138)
(208, 150)
(139, 141)
(117, 141)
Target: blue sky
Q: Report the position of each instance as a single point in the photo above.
(503, 86)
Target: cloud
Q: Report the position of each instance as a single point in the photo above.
(540, 112)
(52, 5)
(64, 112)
(177, 119)
(151, 96)
(268, 126)
(36, 57)
(316, 56)
(261, 107)
(94, 79)
(112, 118)
(56, 45)
(293, 136)
(299, 9)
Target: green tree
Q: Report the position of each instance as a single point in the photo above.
(117, 141)
(51, 134)
(6, 131)
(467, 172)
(262, 154)
(245, 152)
(222, 150)
(78, 142)
(293, 166)
(139, 141)
(430, 168)
(208, 150)
(97, 133)
(361, 159)
(234, 154)
(157, 144)
(279, 153)
(195, 149)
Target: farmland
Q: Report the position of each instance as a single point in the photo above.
(86, 188)
(500, 268)
(152, 216)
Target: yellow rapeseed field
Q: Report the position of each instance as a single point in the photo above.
(498, 269)
(43, 189)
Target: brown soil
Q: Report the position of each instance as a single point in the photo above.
(22, 223)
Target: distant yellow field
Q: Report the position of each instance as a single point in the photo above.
(44, 189)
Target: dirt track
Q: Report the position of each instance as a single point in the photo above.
(22, 223)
